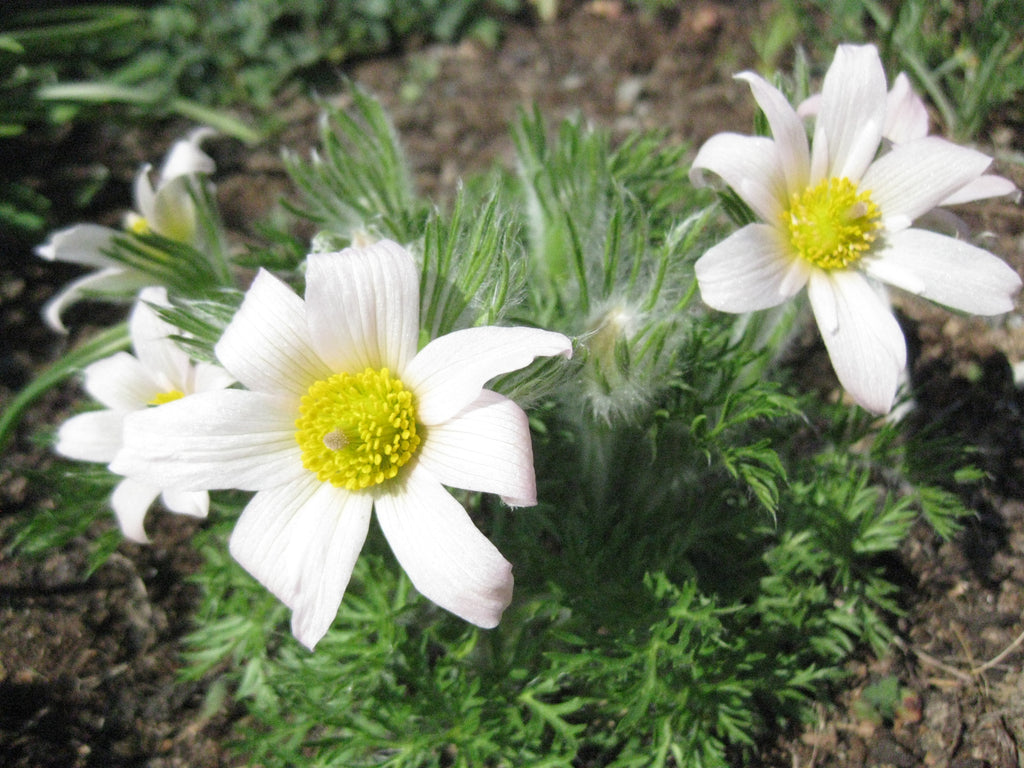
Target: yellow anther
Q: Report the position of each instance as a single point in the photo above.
(832, 224)
(357, 430)
(167, 397)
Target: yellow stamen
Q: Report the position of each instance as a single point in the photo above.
(832, 225)
(357, 431)
(166, 397)
(137, 225)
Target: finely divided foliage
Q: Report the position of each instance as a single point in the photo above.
(696, 541)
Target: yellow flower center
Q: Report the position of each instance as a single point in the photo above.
(831, 224)
(137, 225)
(356, 431)
(166, 397)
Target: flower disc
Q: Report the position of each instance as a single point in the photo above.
(832, 224)
(357, 431)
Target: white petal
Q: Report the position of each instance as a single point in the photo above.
(449, 373)
(751, 166)
(113, 282)
(893, 272)
(130, 501)
(485, 447)
(185, 157)
(982, 188)
(191, 503)
(121, 382)
(206, 377)
(787, 129)
(266, 345)
(151, 342)
(301, 542)
(915, 177)
(752, 269)
(947, 271)
(446, 557)
(906, 116)
(81, 244)
(363, 306)
(92, 436)
(144, 193)
(225, 439)
(173, 214)
(809, 107)
(852, 113)
(863, 339)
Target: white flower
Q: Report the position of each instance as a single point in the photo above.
(167, 210)
(836, 218)
(343, 415)
(159, 372)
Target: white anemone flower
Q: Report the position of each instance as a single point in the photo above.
(158, 373)
(166, 209)
(835, 216)
(342, 415)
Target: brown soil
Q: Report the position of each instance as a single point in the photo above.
(89, 665)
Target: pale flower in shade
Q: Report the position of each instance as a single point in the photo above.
(158, 372)
(166, 209)
(835, 217)
(341, 416)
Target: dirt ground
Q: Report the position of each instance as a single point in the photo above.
(88, 665)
